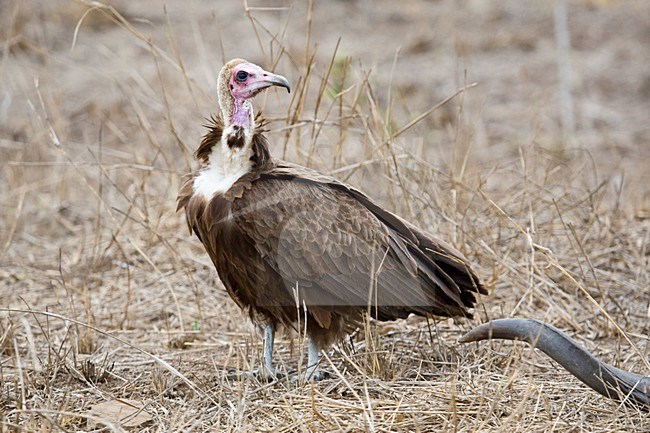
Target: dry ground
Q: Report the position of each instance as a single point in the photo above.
(104, 295)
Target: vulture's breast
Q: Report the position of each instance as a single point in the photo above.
(239, 265)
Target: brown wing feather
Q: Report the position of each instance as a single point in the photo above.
(338, 253)
(433, 251)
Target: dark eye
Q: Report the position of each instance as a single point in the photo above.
(241, 75)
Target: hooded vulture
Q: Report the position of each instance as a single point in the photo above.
(300, 249)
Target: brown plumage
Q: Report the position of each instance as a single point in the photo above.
(283, 225)
(289, 243)
(282, 234)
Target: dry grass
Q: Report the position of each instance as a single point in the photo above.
(104, 295)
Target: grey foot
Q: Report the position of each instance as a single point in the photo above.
(262, 374)
(268, 375)
(312, 374)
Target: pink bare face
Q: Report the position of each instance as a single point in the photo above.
(247, 80)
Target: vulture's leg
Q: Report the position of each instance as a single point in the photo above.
(312, 373)
(269, 337)
(268, 372)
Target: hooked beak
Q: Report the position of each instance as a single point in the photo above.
(267, 79)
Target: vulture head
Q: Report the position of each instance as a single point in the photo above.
(238, 82)
(233, 147)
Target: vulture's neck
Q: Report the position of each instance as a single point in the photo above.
(241, 114)
(233, 155)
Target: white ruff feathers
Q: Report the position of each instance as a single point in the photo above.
(225, 166)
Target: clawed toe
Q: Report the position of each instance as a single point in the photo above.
(319, 375)
(262, 375)
(266, 375)
(312, 374)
